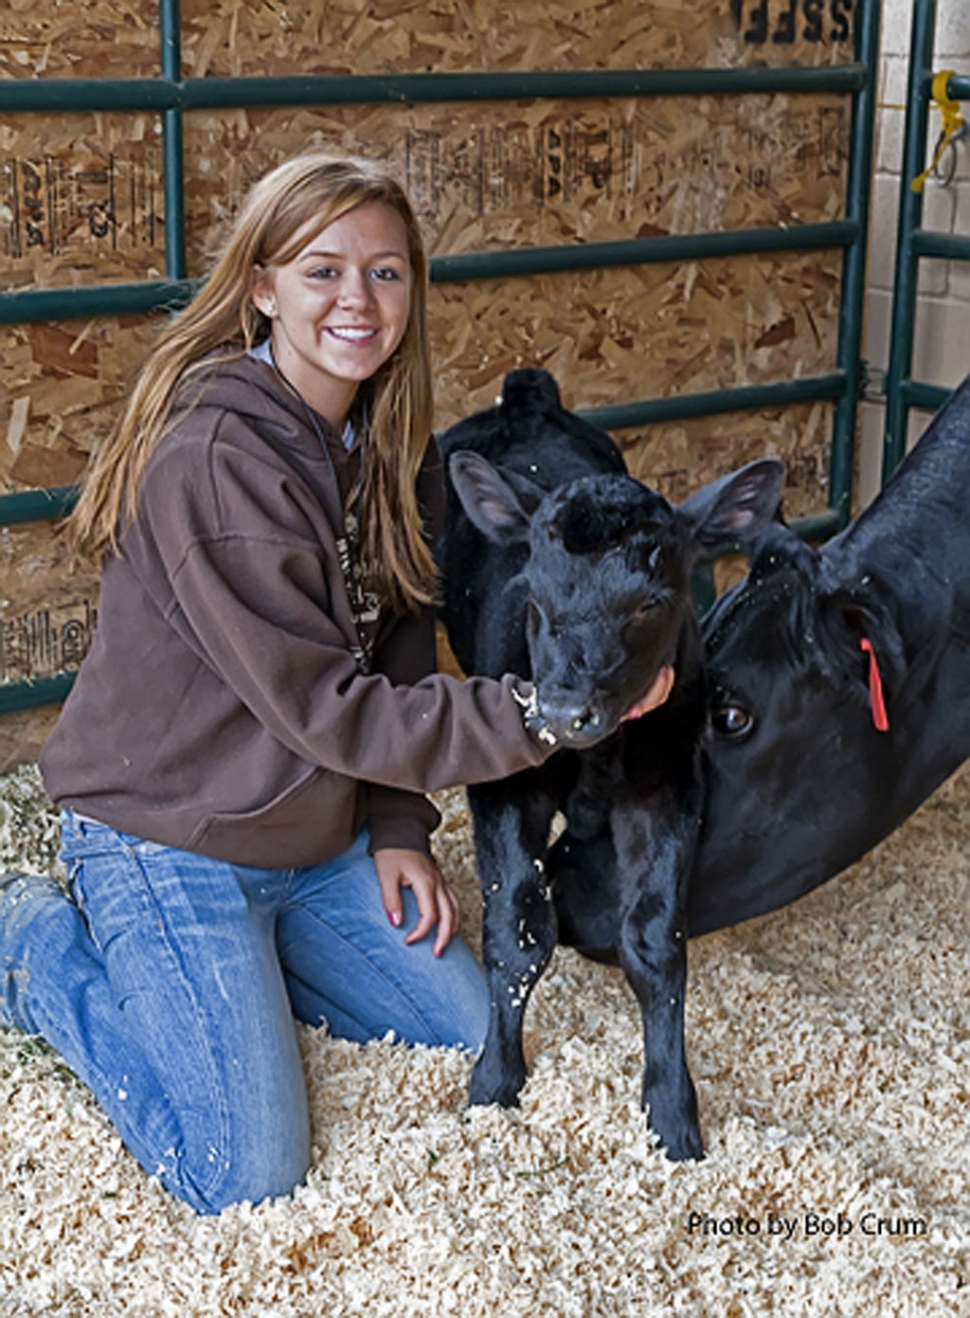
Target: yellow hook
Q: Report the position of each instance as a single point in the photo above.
(952, 123)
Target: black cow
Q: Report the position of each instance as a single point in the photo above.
(560, 567)
(810, 657)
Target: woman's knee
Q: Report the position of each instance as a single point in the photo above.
(252, 1166)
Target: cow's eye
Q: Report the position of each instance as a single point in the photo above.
(645, 607)
(732, 721)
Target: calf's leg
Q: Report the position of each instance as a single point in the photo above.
(511, 823)
(654, 850)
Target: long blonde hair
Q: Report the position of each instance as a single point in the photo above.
(274, 224)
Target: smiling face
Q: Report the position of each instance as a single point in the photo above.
(340, 308)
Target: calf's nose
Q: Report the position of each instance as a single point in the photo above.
(573, 720)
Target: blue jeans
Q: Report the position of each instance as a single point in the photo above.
(168, 982)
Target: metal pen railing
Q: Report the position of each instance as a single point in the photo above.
(171, 96)
(914, 243)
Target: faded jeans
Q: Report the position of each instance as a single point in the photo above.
(168, 982)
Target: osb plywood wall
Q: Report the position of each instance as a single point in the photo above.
(81, 203)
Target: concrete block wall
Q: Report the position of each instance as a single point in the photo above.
(942, 349)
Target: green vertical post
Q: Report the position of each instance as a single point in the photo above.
(172, 157)
(910, 214)
(852, 304)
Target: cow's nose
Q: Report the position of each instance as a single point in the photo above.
(574, 721)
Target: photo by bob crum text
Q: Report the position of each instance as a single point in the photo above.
(806, 1224)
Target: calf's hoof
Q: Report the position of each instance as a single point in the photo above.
(681, 1145)
(488, 1087)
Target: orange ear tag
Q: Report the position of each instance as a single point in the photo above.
(876, 699)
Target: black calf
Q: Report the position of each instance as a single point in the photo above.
(560, 567)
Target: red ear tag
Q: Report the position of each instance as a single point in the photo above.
(876, 700)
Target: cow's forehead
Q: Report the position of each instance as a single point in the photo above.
(592, 515)
(763, 620)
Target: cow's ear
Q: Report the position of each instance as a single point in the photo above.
(737, 507)
(489, 500)
(863, 634)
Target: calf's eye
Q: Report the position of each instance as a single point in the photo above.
(732, 721)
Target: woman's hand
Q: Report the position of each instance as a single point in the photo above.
(437, 904)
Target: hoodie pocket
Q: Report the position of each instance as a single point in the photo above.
(312, 820)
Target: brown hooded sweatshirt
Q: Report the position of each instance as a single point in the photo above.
(220, 708)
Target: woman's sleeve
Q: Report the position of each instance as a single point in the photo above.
(247, 605)
(249, 592)
(399, 819)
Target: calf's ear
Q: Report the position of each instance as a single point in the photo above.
(488, 499)
(737, 507)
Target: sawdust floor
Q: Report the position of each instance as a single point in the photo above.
(829, 1043)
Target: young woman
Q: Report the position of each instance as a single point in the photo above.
(241, 762)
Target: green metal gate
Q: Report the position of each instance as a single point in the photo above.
(915, 242)
(170, 95)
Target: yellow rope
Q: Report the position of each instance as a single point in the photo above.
(952, 123)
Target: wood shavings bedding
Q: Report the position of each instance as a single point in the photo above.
(829, 1043)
